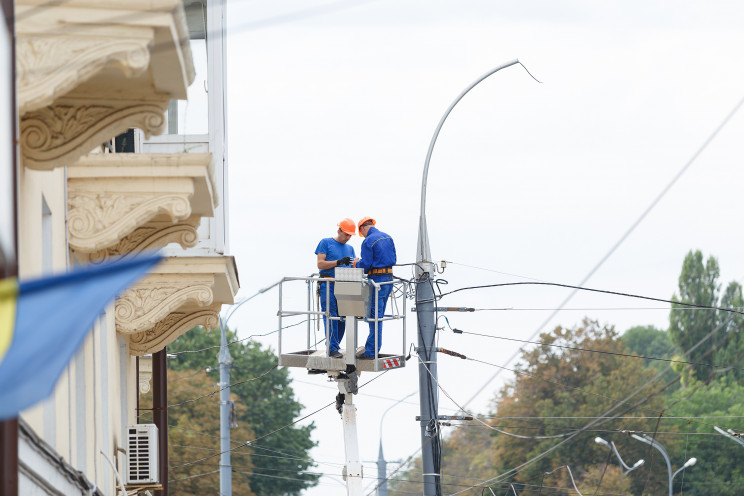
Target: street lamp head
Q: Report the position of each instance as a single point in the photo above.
(689, 463)
(601, 441)
(639, 463)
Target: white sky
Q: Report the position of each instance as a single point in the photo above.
(330, 115)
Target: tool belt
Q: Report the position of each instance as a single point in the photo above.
(380, 271)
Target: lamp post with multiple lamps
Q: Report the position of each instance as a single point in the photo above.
(613, 448)
(652, 442)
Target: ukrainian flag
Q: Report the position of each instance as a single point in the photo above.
(43, 322)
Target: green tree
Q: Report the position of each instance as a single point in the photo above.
(556, 389)
(648, 341)
(280, 461)
(193, 434)
(733, 324)
(698, 284)
(720, 461)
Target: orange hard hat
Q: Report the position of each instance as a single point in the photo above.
(364, 221)
(347, 226)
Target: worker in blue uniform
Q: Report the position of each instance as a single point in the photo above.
(377, 260)
(332, 253)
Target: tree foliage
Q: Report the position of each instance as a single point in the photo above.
(266, 402)
(556, 390)
(559, 389)
(194, 433)
(720, 466)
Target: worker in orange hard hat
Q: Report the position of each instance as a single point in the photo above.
(378, 258)
(332, 253)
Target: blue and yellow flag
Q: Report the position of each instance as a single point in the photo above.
(43, 322)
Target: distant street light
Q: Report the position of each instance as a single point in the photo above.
(569, 473)
(655, 444)
(729, 435)
(381, 463)
(225, 360)
(612, 447)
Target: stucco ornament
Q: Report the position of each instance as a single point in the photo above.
(170, 328)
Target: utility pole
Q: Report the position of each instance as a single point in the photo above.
(381, 463)
(426, 316)
(225, 361)
(160, 414)
(381, 473)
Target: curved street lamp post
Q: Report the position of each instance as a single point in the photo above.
(425, 314)
(652, 442)
(613, 448)
(225, 361)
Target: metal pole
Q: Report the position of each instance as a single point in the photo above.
(160, 414)
(426, 321)
(428, 397)
(381, 463)
(721, 431)
(381, 472)
(225, 468)
(656, 445)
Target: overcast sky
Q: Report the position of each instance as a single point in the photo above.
(331, 110)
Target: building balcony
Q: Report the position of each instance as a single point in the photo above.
(180, 294)
(124, 203)
(89, 70)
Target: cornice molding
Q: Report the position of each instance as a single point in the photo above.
(59, 134)
(156, 296)
(181, 293)
(170, 328)
(50, 66)
(100, 220)
(152, 236)
(160, 197)
(145, 374)
(90, 70)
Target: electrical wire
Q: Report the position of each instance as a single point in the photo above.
(593, 290)
(237, 340)
(626, 234)
(193, 476)
(574, 348)
(225, 387)
(594, 309)
(248, 443)
(590, 424)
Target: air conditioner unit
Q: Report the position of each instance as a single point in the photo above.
(142, 454)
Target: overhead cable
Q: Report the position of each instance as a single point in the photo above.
(604, 291)
(574, 348)
(625, 235)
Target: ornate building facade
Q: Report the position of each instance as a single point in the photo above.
(109, 168)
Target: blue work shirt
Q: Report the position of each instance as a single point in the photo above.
(378, 250)
(333, 250)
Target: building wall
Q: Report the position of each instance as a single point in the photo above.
(96, 396)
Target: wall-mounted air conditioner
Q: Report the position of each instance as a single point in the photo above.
(142, 454)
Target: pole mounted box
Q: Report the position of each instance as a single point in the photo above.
(352, 294)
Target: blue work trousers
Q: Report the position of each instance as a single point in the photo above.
(334, 332)
(382, 298)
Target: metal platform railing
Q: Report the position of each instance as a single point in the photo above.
(313, 357)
